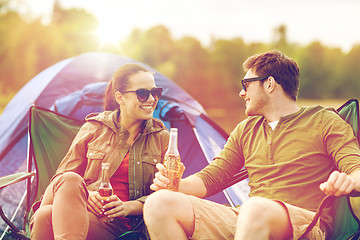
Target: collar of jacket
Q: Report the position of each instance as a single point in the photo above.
(109, 118)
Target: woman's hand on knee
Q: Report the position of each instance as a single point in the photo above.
(94, 203)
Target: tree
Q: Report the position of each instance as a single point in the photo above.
(157, 46)
(191, 61)
(227, 57)
(314, 73)
(280, 35)
(11, 69)
(77, 27)
(349, 81)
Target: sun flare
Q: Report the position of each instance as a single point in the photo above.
(108, 32)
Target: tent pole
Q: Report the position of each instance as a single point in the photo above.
(14, 215)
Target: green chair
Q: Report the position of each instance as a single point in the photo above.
(346, 222)
(51, 135)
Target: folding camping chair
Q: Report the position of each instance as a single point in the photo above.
(50, 135)
(346, 223)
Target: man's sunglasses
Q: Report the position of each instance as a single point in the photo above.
(247, 80)
(143, 94)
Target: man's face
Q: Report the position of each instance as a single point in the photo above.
(254, 96)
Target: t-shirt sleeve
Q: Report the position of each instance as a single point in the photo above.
(225, 165)
(340, 142)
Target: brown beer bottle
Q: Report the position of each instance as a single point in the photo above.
(172, 161)
(105, 189)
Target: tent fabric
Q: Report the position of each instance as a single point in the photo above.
(66, 77)
(196, 150)
(75, 87)
(14, 119)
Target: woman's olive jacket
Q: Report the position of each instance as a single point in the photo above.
(103, 139)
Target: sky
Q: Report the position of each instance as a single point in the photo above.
(335, 23)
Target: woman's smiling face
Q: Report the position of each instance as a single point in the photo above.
(130, 106)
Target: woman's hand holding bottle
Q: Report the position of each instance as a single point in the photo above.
(111, 207)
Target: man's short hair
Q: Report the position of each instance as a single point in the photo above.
(283, 69)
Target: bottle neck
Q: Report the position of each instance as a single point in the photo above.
(173, 144)
(105, 174)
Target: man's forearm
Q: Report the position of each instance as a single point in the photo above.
(193, 185)
(356, 176)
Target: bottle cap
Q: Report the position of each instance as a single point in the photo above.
(105, 165)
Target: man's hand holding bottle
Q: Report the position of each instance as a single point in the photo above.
(161, 181)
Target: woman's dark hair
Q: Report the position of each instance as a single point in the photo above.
(120, 82)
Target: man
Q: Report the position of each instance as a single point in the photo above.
(294, 157)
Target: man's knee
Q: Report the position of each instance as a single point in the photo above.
(160, 200)
(166, 203)
(263, 211)
(174, 208)
(258, 208)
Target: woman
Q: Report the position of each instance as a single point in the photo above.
(130, 140)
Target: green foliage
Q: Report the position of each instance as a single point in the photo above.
(28, 47)
(207, 73)
(4, 99)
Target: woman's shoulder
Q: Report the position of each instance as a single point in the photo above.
(105, 118)
(155, 126)
(100, 116)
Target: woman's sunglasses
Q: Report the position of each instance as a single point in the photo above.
(143, 94)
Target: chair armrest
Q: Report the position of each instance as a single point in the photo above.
(4, 182)
(14, 178)
(328, 199)
(354, 194)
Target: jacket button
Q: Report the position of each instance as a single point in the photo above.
(155, 161)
